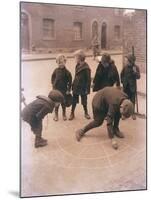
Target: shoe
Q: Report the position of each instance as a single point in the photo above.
(87, 116)
(114, 144)
(56, 118)
(79, 134)
(40, 142)
(64, 117)
(71, 116)
(118, 133)
(134, 117)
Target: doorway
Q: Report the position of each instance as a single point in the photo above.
(24, 32)
(103, 35)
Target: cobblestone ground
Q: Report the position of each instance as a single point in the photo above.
(66, 166)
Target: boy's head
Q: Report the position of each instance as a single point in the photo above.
(106, 59)
(61, 60)
(130, 59)
(126, 109)
(79, 56)
(56, 96)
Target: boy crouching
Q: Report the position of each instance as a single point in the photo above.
(34, 113)
(112, 104)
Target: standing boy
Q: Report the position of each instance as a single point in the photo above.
(129, 76)
(81, 83)
(106, 74)
(61, 80)
(95, 46)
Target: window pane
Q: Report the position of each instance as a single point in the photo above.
(77, 31)
(94, 29)
(48, 28)
(117, 31)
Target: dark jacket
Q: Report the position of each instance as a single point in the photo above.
(82, 80)
(129, 76)
(37, 109)
(61, 80)
(105, 76)
(107, 102)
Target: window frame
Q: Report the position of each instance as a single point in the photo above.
(117, 35)
(81, 34)
(94, 21)
(49, 37)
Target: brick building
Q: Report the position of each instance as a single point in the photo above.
(134, 34)
(52, 26)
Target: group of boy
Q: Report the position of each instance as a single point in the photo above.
(109, 103)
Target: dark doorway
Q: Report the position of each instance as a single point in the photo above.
(103, 35)
(24, 32)
(94, 29)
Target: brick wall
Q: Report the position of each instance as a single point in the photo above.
(64, 17)
(134, 34)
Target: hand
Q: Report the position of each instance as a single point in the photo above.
(134, 69)
(87, 92)
(67, 92)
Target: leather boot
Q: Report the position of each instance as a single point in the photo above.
(118, 133)
(87, 116)
(56, 114)
(134, 117)
(40, 142)
(71, 116)
(72, 112)
(64, 114)
(79, 134)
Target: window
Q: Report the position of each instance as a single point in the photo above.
(117, 32)
(77, 31)
(48, 28)
(117, 11)
(24, 19)
(25, 31)
(94, 29)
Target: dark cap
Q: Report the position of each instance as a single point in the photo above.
(80, 54)
(106, 58)
(128, 108)
(56, 96)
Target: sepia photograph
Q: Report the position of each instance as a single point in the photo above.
(83, 96)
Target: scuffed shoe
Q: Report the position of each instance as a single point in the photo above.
(87, 116)
(64, 117)
(118, 133)
(71, 116)
(79, 134)
(40, 142)
(114, 144)
(56, 118)
(134, 117)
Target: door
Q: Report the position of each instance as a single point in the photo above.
(24, 32)
(103, 35)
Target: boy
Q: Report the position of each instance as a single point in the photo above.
(81, 83)
(129, 75)
(106, 74)
(112, 103)
(95, 46)
(61, 80)
(34, 113)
